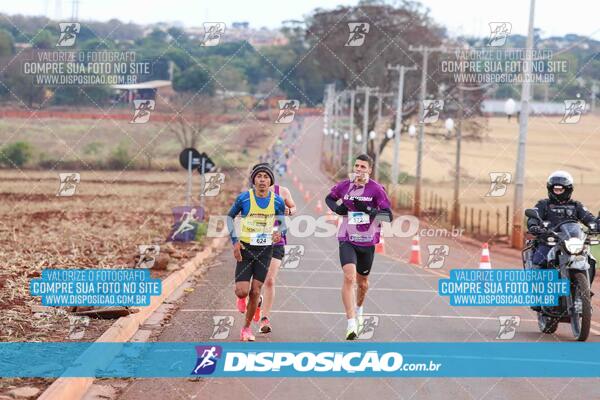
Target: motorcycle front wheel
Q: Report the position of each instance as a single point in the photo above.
(547, 324)
(581, 315)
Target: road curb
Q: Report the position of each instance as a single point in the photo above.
(125, 327)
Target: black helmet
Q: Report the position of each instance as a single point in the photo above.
(563, 179)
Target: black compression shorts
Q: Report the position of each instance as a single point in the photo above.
(361, 256)
(255, 263)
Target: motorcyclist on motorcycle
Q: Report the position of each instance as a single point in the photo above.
(558, 207)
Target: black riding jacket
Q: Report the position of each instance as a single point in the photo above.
(555, 213)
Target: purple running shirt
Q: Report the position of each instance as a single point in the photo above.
(283, 240)
(357, 228)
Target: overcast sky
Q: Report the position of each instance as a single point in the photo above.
(470, 17)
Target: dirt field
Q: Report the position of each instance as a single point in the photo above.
(550, 146)
(102, 225)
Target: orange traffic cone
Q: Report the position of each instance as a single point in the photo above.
(484, 262)
(380, 247)
(295, 180)
(301, 188)
(415, 252)
(319, 207)
(307, 196)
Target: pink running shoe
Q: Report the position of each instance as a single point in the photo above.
(246, 335)
(241, 305)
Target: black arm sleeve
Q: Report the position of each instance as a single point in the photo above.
(541, 206)
(584, 215)
(333, 206)
(331, 202)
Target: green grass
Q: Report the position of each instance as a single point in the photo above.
(596, 251)
(96, 140)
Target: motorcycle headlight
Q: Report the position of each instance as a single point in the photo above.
(574, 245)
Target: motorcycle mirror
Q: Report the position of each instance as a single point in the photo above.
(533, 213)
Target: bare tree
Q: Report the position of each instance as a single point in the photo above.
(194, 117)
(393, 28)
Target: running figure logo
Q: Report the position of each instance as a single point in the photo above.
(212, 184)
(437, 255)
(213, 31)
(222, 326)
(77, 326)
(142, 109)
(292, 256)
(207, 359)
(68, 183)
(574, 109)
(499, 32)
(370, 322)
(431, 110)
(68, 33)
(287, 110)
(358, 33)
(148, 255)
(498, 184)
(508, 326)
(186, 223)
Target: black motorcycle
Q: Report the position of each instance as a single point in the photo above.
(570, 255)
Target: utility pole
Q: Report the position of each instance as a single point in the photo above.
(366, 121)
(425, 51)
(377, 143)
(518, 217)
(336, 130)
(351, 133)
(455, 219)
(395, 167)
(594, 92)
(340, 137)
(330, 121)
(380, 97)
(325, 120)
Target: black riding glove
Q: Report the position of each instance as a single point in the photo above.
(537, 230)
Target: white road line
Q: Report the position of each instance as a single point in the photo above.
(231, 310)
(339, 272)
(337, 288)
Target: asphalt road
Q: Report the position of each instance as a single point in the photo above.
(402, 305)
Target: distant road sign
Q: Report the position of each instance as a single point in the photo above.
(184, 158)
(208, 163)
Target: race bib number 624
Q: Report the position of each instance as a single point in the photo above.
(261, 239)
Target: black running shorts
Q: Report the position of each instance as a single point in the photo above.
(361, 256)
(255, 263)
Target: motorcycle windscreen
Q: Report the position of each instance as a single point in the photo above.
(571, 230)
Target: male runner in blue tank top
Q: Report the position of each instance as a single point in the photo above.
(253, 248)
